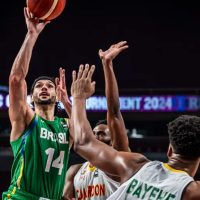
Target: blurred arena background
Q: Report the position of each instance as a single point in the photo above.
(157, 76)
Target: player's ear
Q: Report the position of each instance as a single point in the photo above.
(31, 102)
(170, 151)
(57, 100)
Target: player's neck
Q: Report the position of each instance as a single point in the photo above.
(188, 165)
(46, 112)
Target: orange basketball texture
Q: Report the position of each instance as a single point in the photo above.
(46, 9)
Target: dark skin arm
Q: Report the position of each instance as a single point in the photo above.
(69, 193)
(19, 112)
(123, 164)
(192, 191)
(114, 117)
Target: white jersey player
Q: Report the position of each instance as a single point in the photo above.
(141, 179)
(112, 132)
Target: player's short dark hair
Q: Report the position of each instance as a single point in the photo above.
(103, 121)
(184, 135)
(52, 79)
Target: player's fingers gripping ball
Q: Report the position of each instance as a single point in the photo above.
(46, 9)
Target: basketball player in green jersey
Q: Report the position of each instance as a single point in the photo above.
(40, 141)
(141, 179)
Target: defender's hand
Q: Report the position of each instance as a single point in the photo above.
(61, 88)
(113, 51)
(82, 85)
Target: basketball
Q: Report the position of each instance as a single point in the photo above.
(46, 9)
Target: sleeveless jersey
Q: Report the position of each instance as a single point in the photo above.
(91, 183)
(155, 181)
(40, 160)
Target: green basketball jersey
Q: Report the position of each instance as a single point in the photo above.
(40, 160)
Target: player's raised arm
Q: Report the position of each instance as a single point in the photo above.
(85, 143)
(19, 112)
(115, 120)
(62, 92)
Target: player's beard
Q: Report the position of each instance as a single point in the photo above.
(48, 101)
